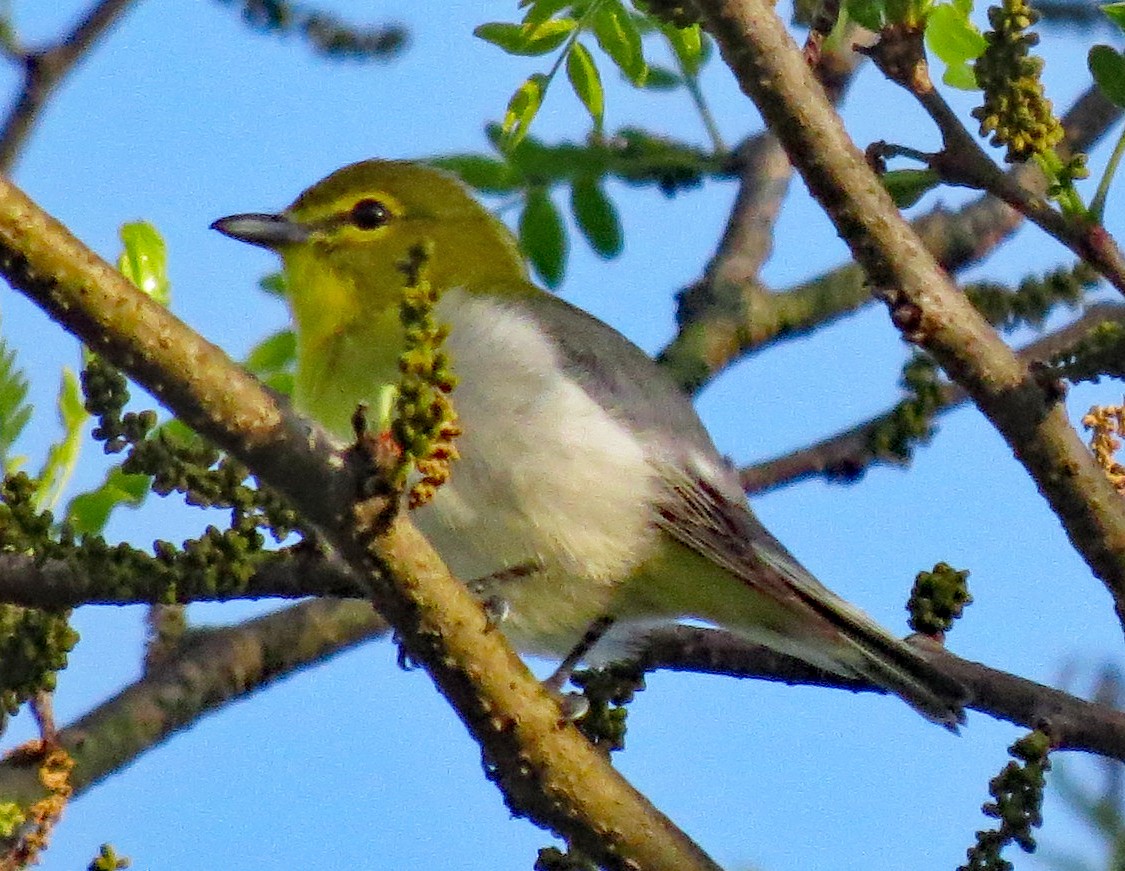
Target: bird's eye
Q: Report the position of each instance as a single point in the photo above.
(369, 214)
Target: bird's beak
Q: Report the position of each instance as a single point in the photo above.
(265, 231)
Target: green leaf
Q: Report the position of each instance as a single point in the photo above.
(62, 456)
(871, 14)
(540, 10)
(529, 40)
(952, 36)
(480, 172)
(274, 284)
(276, 353)
(687, 43)
(144, 260)
(960, 76)
(619, 38)
(1115, 12)
(14, 410)
(280, 382)
(583, 75)
(1108, 69)
(522, 109)
(542, 236)
(596, 216)
(89, 513)
(906, 186)
(662, 79)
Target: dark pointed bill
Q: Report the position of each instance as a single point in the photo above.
(261, 229)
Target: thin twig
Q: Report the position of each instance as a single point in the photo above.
(847, 454)
(1075, 723)
(44, 69)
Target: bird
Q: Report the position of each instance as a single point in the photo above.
(587, 490)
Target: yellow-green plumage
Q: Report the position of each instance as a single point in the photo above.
(586, 486)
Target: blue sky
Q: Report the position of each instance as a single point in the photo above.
(181, 116)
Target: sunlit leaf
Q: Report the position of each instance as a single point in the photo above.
(960, 76)
(62, 456)
(1115, 12)
(619, 38)
(583, 75)
(687, 43)
(88, 513)
(522, 109)
(527, 39)
(540, 10)
(144, 260)
(952, 36)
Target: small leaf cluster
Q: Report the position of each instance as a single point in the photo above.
(1107, 66)
(608, 691)
(425, 423)
(949, 31)
(15, 412)
(937, 598)
(910, 422)
(173, 459)
(1015, 112)
(54, 770)
(532, 170)
(326, 34)
(1100, 353)
(955, 40)
(34, 644)
(108, 860)
(1018, 794)
(1035, 297)
(557, 25)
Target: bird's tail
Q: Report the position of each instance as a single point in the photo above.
(887, 661)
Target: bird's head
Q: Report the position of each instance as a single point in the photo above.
(344, 240)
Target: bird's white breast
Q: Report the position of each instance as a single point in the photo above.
(547, 479)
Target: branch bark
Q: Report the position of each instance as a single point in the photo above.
(712, 337)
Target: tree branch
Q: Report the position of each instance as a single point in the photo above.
(293, 573)
(1074, 723)
(848, 454)
(710, 339)
(209, 669)
(925, 305)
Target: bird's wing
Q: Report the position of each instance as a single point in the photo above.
(699, 516)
